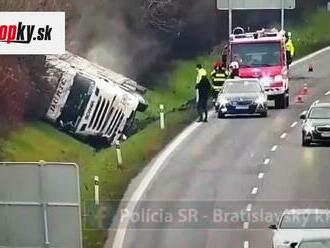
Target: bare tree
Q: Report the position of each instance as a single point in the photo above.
(163, 15)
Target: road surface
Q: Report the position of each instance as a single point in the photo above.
(237, 165)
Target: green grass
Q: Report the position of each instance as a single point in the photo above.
(178, 87)
(39, 141)
(312, 34)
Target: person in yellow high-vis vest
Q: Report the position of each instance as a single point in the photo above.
(290, 50)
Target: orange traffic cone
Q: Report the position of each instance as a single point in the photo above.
(300, 99)
(310, 68)
(305, 89)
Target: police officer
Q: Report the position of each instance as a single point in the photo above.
(290, 50)
(200, 73)
(218, 77)
(203, 89)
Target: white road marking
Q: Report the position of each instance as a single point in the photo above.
(267, 161)
(274, 148)
(249, 207)
(312, 55)
(157, 165)
(261, 175)
(316, 102)
(294, 124)
(254, 191)
(138, 193)
(246, 225)
(327, 93)
(283, 135)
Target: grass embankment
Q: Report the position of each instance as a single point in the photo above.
(312, 34)
(39, 141)
(176, 89)
(36, 141)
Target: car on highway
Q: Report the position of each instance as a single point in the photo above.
(316, 124)
(241, 97)
(296, 225)
(312, 243)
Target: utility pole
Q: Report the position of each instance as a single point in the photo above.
(282, 15)
(230, 18)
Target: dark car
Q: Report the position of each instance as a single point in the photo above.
(316, 125)
(241, 97)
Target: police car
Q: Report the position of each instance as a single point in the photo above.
(242, 97)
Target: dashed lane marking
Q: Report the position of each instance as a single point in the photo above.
(249, 207)
(146, 181)
(157, 166)
(246, 225)
(294, 124)
(274, 148)
(267, 161)
(283, 135)
(261, 175)
(327, 93)
(254, 191)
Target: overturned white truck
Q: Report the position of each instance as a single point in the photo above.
(89, 100)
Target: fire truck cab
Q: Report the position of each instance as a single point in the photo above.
(262, 55)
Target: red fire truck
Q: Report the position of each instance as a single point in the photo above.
(262, 55)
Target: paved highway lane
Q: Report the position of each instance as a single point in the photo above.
(236, 165)
(297, 177)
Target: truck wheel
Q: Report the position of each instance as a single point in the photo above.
(264, 114)
(287, 99)
(142, 106)
(280, 101)
(220, 114)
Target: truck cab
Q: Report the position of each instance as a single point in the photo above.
(262, 55)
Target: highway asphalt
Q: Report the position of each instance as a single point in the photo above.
(235, 167)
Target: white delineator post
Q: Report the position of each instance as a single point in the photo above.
(96, 190)
(162, 116)
(118, 151)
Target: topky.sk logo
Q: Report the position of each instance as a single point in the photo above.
(32, 33)
(21, 33)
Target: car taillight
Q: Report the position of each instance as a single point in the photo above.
(277, 84)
